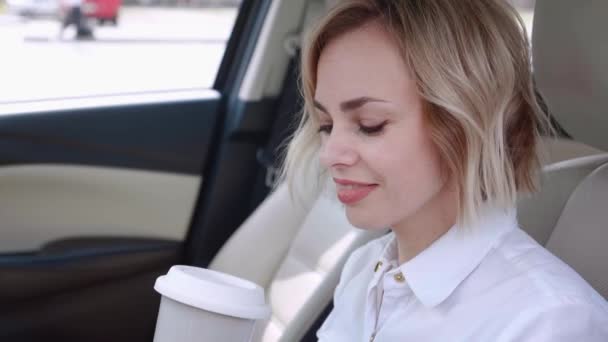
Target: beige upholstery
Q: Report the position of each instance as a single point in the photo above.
(566, 163)
(258, 247)
(581, 233)
(570, 214)
(296, 254)
(539, 214)
(561, 149)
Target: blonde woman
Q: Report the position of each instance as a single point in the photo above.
(423, 114)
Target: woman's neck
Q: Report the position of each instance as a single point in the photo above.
(419, 230)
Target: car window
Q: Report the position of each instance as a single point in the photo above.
(57, 49)
(526, 11)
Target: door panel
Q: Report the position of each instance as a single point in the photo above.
(96, 202)
(42, 203)
(78, 263)
(84, 290)
(111, 170)
(173, 136)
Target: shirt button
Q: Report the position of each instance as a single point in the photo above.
(399, 277)
(378, 265)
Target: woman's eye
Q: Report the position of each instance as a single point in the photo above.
(325, 129)
(371, 130)
(368, 130)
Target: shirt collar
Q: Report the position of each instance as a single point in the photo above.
(436, 272)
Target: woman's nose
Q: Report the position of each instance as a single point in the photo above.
(337, 150)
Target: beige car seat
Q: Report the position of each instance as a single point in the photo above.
(570, 215)
(297, 252)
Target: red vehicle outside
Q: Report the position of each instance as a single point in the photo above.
(102, 10)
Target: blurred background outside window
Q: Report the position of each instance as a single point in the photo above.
(110, 46)
(107, 47)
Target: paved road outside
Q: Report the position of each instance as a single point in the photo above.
(151, 49)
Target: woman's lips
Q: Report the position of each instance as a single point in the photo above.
(350, 192)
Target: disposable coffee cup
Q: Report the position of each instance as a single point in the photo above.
(198, 304)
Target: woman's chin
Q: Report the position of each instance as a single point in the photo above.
(367, 222)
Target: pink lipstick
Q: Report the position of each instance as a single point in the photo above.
(351, 192)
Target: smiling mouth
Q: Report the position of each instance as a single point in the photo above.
(350, 192)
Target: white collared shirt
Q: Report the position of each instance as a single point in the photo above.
(489, 283)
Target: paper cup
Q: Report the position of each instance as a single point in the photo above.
(198, 304)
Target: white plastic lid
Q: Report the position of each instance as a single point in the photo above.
(213, 291)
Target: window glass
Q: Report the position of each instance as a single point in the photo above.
(71, 48)
(526, 11)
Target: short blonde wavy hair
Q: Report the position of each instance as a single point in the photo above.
(472, 66)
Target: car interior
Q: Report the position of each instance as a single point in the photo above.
(104, 196)
(566, 216)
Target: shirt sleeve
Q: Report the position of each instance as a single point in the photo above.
(559, 323)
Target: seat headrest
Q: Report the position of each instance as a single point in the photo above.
(570, 49)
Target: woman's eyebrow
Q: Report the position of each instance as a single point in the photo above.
(349, 105)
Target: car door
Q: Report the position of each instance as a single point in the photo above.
(102, 193)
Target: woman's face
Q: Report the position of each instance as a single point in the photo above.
(374, 141)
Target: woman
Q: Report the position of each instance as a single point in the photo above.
(423, 115)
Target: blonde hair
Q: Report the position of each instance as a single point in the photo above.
(471, 63)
